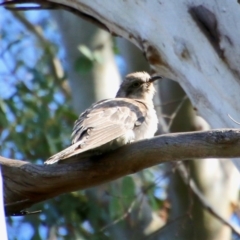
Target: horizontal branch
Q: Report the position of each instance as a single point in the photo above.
(26, 184)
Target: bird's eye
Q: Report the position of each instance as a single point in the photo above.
(136, 84)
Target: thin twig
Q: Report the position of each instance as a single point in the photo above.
(16, 203)
(45, 45)
(170, 102)
(185, 176)
(23, 213)
(233, 119)
(173, 115)
(156, 233)
(126, 214)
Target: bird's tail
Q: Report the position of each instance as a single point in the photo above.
(66, 153)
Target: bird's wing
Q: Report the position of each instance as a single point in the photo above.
(102, 123)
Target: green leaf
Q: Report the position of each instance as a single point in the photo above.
(115, 208)
(128, 191)
(83, 65)
(86, 52)
(148, 176)
(128, 187)
(98, 57)
(51, 144)
(3, 115)
(115, 47)
(153, 202)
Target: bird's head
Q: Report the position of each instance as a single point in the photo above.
(138, 85)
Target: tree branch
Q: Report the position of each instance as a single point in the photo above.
(202, 199)
(26, 184)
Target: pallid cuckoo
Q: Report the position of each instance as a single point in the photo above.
(111, 123)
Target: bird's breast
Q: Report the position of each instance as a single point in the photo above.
(149, 126)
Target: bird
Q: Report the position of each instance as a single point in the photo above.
(112, 123)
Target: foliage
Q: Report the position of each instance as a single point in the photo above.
(86, 60)
(35, 114)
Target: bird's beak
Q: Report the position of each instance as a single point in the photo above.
(154, 78)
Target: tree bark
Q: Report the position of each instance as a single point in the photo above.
(35, 183)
